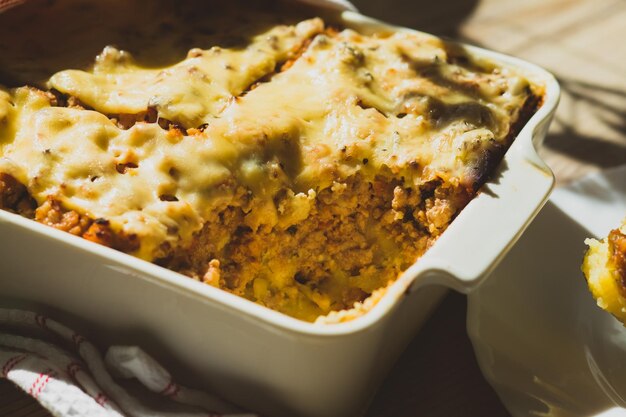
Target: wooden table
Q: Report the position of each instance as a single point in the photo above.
(582, 43)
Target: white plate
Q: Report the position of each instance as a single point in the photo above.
(539, 337)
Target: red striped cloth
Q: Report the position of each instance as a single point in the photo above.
(79, 381)
(7, 4)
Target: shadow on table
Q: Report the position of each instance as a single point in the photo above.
(437, 375)
(442, 17)
(607, 106)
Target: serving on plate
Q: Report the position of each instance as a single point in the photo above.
(564, 354)
(605, 269)
(286, 363)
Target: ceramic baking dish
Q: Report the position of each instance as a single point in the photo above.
(251, 355)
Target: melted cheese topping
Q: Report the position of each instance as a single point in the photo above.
(191, 92)
(388, 104)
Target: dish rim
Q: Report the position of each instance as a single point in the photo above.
(404, 283)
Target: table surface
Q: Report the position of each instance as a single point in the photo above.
(579, 41)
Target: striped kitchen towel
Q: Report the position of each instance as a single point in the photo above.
(71, 378)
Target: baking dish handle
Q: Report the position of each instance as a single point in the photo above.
(488, 227)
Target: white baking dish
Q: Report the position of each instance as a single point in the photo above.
(253, 356)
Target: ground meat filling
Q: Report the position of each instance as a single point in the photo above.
(52, 213)
(14, 197)
(617, 250)
(355, 237)
(358, 236)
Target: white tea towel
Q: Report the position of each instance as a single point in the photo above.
(78, 382)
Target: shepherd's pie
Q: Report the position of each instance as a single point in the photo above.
(304, 171)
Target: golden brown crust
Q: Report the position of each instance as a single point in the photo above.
(492, 156)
